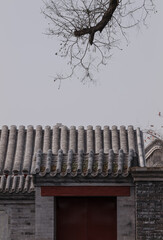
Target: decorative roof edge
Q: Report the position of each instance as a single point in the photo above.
(153, 146)
(16, 184)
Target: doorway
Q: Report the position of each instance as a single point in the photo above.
(86, 218)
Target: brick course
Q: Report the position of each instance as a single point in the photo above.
(44, 215)
(21, 219)
(149, 204)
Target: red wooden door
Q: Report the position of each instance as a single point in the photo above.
(86, 218)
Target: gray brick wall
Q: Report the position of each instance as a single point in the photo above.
(149, 203)
(126, 216)
(4, 232)
(44, 229)
(20, 216)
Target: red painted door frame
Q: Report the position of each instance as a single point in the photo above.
(94, 217)
(89, 191)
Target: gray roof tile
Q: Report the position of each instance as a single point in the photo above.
(16, 184)
(63, 151)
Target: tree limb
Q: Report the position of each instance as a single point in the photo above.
(76, 22)
(101, 25)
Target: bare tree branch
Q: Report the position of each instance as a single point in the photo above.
(90, 29)
(101, 25)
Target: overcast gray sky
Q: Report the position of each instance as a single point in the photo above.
(129, 89)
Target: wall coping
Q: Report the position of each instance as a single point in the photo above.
(144, 174)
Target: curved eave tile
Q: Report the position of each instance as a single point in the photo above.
(85, 165)
(16, 184)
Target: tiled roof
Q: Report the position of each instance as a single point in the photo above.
(62, 151)
(16, 184)
(104, 164)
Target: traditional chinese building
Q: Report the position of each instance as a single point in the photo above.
(65, 183)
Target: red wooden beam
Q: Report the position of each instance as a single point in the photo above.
(64, 191)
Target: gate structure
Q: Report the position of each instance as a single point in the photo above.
(65, 183)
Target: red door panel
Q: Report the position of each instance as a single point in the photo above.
(70, 219)
(86, 218)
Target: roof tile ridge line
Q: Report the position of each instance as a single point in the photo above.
(89, 139)
(100, 161)
(55, 139)
(10, 149)
(28, 149)
(69, 161)
(64, 139)
(33, 165)
(14, 184)
(107, 139)
(90, 161)
(21, 183)
(140, 148)
(2, 182)
(38, 138)
(3, 146)
(72, 138)
(80, 139)
(19, 154)
(48, 161)
(115, 139)
(59, 161)
(123, 139)
(7, 187)
(31, 187)
(120, 161)
(131, 138)
(98, 139)
(47, 139)
(80, 161)
(26, 184)
(130, 158)
(37, 145)
(110, 161)
(38, 161)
